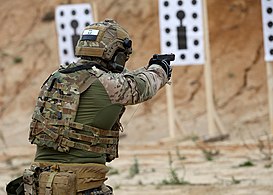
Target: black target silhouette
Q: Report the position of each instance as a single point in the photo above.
(181, 31)
(75, 36)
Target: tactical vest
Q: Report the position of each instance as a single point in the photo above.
(53, 122)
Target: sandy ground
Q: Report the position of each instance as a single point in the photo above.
(221, 168)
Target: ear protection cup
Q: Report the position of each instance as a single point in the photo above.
(120, 58)
(118, 62)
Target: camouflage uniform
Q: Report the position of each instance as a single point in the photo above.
(99, 105)
(76, 120)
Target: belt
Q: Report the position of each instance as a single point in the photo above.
(103, 190)
(88, 175)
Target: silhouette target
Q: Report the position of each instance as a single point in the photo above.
(75, 36)
(270, 24)
(70, 21)
(267, 9)
(181, 31)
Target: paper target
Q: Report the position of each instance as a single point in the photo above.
(70, 22)
(181, 30)
(267, 12)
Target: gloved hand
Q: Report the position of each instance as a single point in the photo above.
(164, 64)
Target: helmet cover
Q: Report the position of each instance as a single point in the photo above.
(103, 40)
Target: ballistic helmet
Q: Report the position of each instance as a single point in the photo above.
(106, 40)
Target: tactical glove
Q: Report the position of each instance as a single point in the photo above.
(164, 64)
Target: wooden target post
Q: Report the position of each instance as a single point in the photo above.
(212, 116)
(267, 18)
(172, 9)
(171, 110)
(173, 122)
(269, 67)
(95, 11)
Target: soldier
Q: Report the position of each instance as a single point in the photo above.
(76, 120)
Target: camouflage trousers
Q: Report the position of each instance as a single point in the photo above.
(103, 190)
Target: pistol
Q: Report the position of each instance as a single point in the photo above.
(167, 57)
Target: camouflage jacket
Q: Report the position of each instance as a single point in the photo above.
(75, 115)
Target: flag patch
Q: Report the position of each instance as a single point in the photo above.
(90, 35)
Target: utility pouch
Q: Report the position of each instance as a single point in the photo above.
(30, 178)
(15, 187)
(61, 183)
